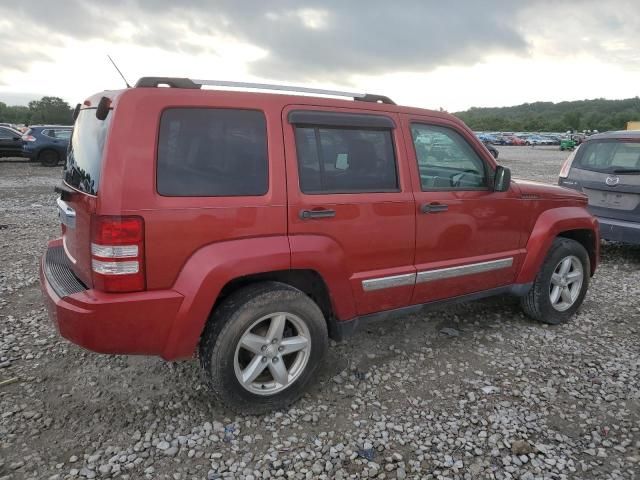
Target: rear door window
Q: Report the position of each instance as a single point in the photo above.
(345, 160)
(84, 159)
(212, 152)
(609, 156)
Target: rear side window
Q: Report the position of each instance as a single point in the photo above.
(6, 134)
(609, 156)
(212, 152)
(63, 134)
(84, 158)
(345, 160)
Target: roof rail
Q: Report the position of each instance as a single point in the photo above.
(175, 82)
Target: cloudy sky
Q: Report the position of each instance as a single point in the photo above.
(430, 53)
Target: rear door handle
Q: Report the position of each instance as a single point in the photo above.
(434, 207)
(307, 214)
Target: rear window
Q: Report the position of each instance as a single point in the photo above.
(84, 158)
(609, 156)
(212, 152)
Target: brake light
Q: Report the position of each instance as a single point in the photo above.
(566, 166)
(117, 253)
(28, 138)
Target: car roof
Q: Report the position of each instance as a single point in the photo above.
(619, 134)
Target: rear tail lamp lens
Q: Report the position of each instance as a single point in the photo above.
(566, 166)
(28, 138)
(117, 253)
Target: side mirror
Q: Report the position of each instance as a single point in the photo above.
(501, 179)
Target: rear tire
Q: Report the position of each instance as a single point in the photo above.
(561, 283)
(49, 158)
(262, 347)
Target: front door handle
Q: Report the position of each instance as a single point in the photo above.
(307, 214)
(434, 207)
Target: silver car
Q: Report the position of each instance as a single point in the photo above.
(606, 167)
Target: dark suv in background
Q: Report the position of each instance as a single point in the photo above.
(607, 168)
(10, 142)
(46, 143)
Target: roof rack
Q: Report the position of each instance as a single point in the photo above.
(176, 82)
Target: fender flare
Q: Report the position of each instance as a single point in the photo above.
(204, 275)
(548, 226)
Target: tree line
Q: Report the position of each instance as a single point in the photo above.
(599, 114)
(47, 110)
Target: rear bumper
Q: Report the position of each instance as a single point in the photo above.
(619, 230)
(126, 323)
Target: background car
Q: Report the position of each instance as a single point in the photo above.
(514, 140)
(10, 142)
(492, 149)
(606, 167)
(46, 143)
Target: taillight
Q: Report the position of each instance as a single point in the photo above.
(117, 253)
(566, 166)
(28, 138)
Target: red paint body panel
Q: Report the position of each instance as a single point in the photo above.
(204, 276)
(77, 241)
(194, 246)
(478, 226)
(373, 232)
(548, 225)
(129, 323)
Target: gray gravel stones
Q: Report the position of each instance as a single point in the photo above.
(504, 398)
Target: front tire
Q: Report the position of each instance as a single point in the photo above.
(561, 283)
(262, 347)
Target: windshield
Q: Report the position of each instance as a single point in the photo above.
(84, 159)
(609, 156)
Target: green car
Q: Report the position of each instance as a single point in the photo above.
(567, 144)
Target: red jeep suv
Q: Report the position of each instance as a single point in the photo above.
(246, 228)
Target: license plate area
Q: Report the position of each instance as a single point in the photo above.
(615, 200)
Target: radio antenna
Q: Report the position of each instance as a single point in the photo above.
(116, 67)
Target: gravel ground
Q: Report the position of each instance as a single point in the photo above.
(471, 391)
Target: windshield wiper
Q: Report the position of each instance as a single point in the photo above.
(626, 170)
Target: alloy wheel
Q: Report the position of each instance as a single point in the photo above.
(272, 353)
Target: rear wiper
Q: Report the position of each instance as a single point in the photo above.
(626, 170)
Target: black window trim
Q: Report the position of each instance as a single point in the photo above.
(316, 131)
(340, 119)
(198, 107)
(488, 172)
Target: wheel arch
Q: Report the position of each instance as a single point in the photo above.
(588, 240)
(575, 223)
(44, 150)
(308, 281)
